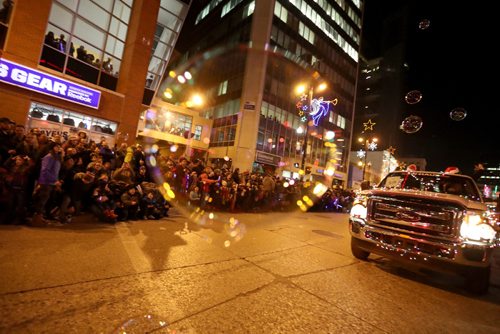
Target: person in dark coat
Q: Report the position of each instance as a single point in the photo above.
(129, 207)
(16, 177)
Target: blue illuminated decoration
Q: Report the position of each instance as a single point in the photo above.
(317, 110)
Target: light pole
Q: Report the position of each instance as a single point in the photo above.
(306, 133)
(367, 143)
(300, 90)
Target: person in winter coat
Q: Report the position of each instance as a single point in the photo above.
(16, 177)
(47, 181)
(129, 204)
(150, 208)
(103, 205)
(124, 174)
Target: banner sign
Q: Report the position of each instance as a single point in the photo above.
(40, 82)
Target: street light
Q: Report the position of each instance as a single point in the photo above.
(367, 143)
(301, 89)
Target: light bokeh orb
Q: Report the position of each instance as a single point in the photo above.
(413, 97)
(411, 124)
(458, 114)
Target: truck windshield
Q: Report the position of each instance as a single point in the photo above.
(438, 183)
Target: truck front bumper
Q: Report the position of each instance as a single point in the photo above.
(456, 257)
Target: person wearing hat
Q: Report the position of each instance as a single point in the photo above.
(47, 181)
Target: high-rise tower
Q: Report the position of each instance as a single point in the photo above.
(248, 57)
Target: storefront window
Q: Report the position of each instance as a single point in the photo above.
(5, 12)
(55, 121)
(169, 122)
(86, 39)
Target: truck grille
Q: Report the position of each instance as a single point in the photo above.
(418, 217)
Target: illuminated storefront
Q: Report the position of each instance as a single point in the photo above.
(178, 130)
(73, 69)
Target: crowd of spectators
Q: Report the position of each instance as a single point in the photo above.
(82, 54)
(43, 180)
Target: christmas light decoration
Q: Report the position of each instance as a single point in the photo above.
(369, 125)
(372, 146)
(318, 109)
(361, 154)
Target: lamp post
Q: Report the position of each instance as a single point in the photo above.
(367, 146)
(300, 90)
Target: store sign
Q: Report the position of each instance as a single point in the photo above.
(249, 105)
(268, 159)
(40, 82)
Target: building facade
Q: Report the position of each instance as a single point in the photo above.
(248, 56)
(85, 65)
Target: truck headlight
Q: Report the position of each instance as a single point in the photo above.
(475, 228)
(359, 211)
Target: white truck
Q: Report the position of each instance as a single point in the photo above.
(433, 220)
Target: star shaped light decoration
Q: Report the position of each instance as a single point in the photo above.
(369, 125)
(372, 146)
(361, 154)
(391, 150)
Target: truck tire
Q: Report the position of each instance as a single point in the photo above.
(477, 281)
(358, 252)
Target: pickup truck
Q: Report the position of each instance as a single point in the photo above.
(433, 220)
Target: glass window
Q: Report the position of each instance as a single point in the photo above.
(118, 28)
(114, 46)
(61, 17)
(160, 50)
(89, 33)
(197, 132)
(70, 4)
(168, 19)
(173, 6)
(94, 53)
(121, 10)
(94, 13)
(106, 4)
(169, 23)
(156, 65)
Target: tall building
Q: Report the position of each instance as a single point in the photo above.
(380, 106)
(85, 65)
(248, 56)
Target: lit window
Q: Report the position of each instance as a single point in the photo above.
(222, 88)
(87, 41)
(197, 132)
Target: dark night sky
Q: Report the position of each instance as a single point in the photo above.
(450, 63)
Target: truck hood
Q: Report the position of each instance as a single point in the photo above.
(469, 204)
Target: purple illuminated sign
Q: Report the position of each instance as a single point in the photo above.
(28, 78)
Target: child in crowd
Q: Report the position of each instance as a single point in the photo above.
(149, 206)
(129, 207)
(103, 205)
